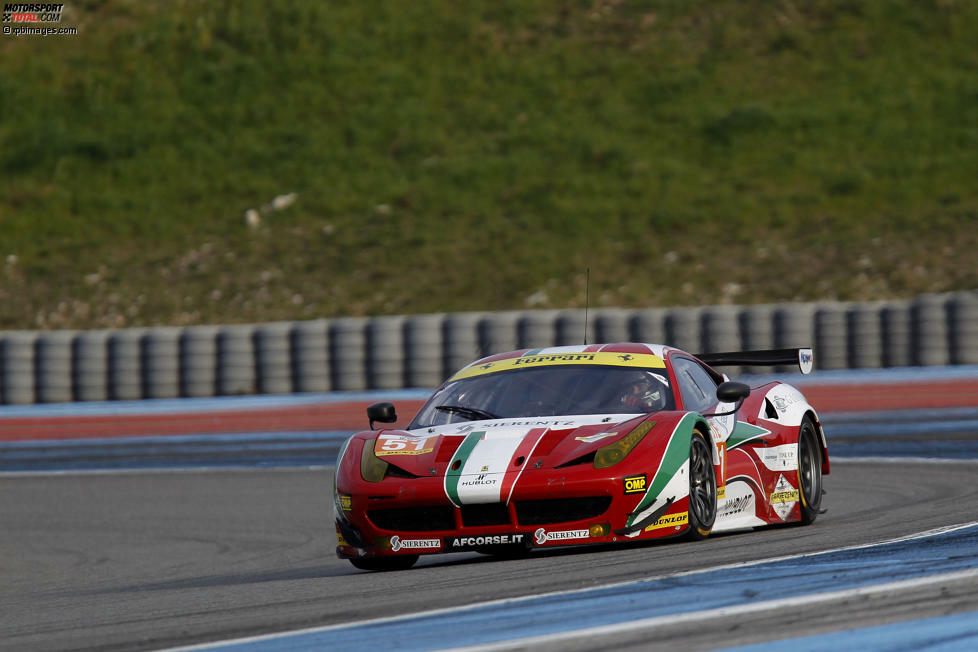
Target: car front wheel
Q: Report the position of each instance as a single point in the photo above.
(702, 487)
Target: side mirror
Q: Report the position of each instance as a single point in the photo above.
(383, 412)
(731, 392)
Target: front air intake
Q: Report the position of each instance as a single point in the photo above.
(413, 519)
(560, 510)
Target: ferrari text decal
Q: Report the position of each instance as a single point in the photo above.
(670, 520)
(541, 536)
(397, 543)
(635, 484)
(646, 360)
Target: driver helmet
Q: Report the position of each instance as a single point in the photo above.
(643, 393)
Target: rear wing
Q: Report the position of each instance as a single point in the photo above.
(804, 358)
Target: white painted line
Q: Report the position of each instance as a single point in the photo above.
(508, 601)
(160, 471)
(722, 612)
(901, 460)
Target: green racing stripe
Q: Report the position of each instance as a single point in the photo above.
(676, 455)
(452, 477)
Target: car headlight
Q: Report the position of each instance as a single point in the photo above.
(613, 453)
(372, 468)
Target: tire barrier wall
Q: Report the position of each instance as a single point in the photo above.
(422, 350)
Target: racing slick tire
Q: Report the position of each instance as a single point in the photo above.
(702, 488)
(400, 562)
(809, 471)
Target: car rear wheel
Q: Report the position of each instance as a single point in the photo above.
(809, 471)
(702, 488)
(400, 562)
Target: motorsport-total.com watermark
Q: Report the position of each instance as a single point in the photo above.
(33, 19)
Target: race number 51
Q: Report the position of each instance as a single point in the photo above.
(401, 445)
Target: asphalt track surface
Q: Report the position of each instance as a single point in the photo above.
(154, 559)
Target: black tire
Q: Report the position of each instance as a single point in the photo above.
(702, 488)
(400, 562)
(809, 471)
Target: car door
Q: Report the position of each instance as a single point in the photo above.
(698, 390)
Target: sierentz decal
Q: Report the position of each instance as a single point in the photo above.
(635, 484)
(541, 536)
(397, 543)
(646, 360)
(670, 521)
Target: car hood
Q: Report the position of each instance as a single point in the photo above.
(481, 460)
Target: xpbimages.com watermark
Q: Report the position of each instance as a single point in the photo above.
(33, 19)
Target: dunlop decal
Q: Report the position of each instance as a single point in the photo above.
(676, 521)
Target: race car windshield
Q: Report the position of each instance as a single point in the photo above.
(548, 391)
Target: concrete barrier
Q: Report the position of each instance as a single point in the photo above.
(353, 354)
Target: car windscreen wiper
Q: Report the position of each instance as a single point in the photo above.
(474, 413)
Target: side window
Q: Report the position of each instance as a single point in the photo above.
(698, 389)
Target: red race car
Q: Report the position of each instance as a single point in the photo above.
(581, 444)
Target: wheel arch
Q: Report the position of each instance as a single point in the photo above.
(823, 445)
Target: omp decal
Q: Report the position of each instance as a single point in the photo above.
(721, 491)
(646, 360)
(783, 498)
(779, 458)
(403, 445)
(635, 484)
(541, 536)
(465, 543)
(676, 521)
(744, 432)
(397, 543)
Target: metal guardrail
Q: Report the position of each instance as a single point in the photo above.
(422, 350)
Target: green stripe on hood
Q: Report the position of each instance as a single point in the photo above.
(461, 455)
(675, 456)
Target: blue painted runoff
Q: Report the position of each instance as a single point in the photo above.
(567, 612)
(952, 633)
